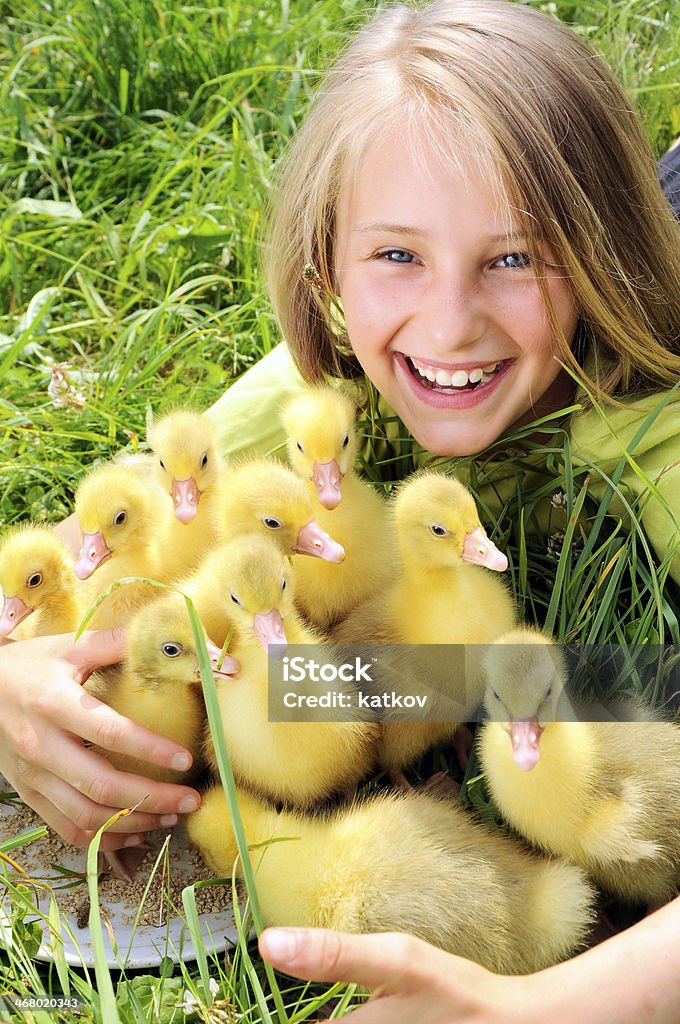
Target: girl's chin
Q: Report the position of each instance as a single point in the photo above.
(446, 432)
(448, 439)
(440, 443)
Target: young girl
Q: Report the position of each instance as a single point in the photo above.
(470, 204)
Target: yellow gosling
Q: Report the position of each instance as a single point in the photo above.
(405, 862)
(119, 518)
(291, 761)
(604, 794)
(322, 449)
(38, 584)
(189, 469)
(443, 593)
(159, 686)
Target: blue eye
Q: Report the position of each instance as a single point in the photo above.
(397, 256)
(513, 260)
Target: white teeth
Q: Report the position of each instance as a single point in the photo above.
(456, 379)
(425, 371)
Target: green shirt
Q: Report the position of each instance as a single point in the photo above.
(247, 421)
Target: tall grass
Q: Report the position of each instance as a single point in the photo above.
(138, 141)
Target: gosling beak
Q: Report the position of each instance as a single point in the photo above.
(230, 666)
(312, 540)
(93, 551)
(14, 611)
(525, 736)
(185, 497)
(268, 627)
(479, 549)
(328, 481)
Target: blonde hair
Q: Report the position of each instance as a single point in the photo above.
(541, 112)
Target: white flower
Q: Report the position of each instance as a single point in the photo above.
(189, 1003)
(61, 389)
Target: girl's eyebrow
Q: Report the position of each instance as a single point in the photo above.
(390, 228)
(514, 235)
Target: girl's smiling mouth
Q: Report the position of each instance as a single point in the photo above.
(457, 388)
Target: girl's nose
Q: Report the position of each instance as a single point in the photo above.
(453, 313)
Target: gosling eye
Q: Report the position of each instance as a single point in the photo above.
(204, 460)
(438, 530)
(300, 448)
(162, 465)
(345, 441)
(496, 696)
(236, 600)
(283, 584)
(35, 580)
(271, 523)
(120, 518)
(548, 692)
(172, 649)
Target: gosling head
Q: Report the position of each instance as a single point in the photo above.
(525, 674)
(256, 582)
(265, 497)
(321, 440)
(35, 569)
(438, 525)
(187, 462)
(115, 512)
(162, 649)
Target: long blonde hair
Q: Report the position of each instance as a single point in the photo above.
(542, 112)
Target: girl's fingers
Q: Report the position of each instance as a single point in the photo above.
(70, 833)
(88, 816)
(96, 649)
(83, 813)
(59, 701)
(67, 702)
(73, 767)
(101, 725)
(318, 954)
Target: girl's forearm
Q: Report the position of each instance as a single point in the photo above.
(632, 977)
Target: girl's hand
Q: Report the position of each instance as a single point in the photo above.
(410, 980)
(633, 976)
(44, 716)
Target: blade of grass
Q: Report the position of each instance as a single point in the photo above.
(229, 786)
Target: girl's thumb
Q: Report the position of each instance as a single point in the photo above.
(319, 954)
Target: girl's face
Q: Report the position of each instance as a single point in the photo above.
(441, 304)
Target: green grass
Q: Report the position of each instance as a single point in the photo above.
(138, 141)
